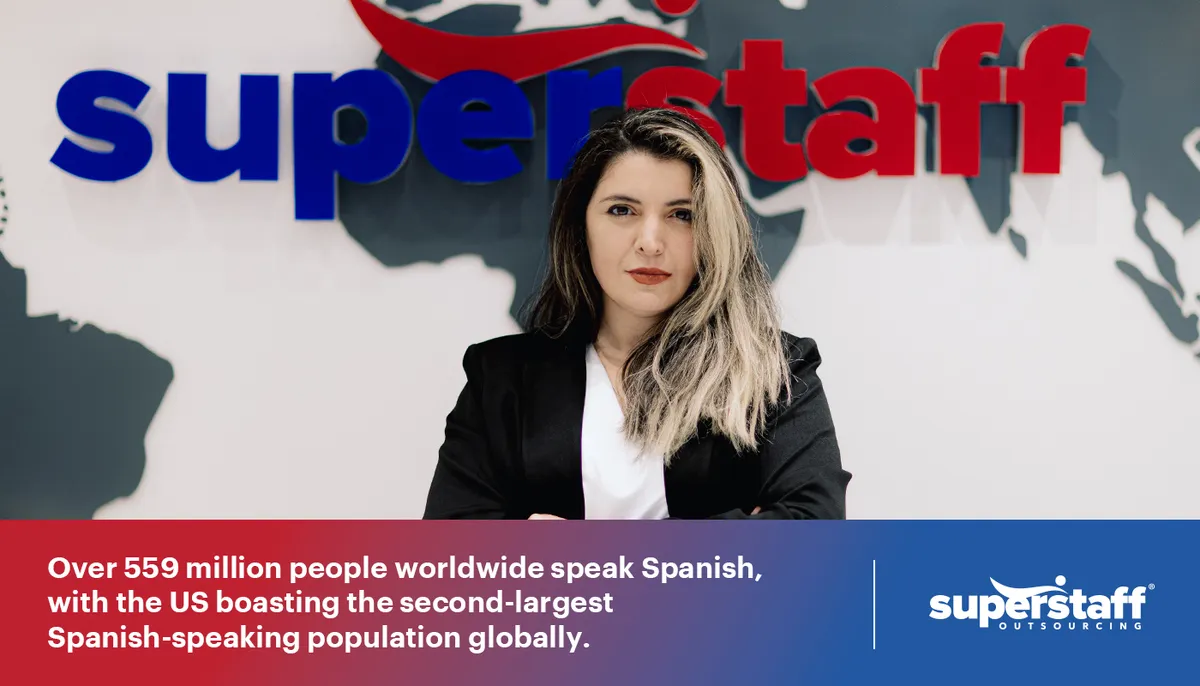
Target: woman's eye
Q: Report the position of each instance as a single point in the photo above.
(620, 210)
(684, 215)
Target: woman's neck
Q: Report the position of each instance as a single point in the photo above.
(620, 332)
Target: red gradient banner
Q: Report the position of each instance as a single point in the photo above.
(361, 602)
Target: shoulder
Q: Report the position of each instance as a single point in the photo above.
(802, 354)
(804, 385)
(502, 347)
(510, 352)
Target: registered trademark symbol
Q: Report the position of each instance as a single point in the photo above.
(1151, 587)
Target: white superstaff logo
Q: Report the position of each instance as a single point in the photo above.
(1035, 603)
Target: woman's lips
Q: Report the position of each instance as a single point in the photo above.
(649, 277)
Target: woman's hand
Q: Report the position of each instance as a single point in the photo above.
(756, 511)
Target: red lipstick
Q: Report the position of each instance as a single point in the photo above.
(649, 276)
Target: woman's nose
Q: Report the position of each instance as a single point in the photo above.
(649, 238)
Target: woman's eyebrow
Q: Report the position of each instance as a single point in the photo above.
(622, 198)
(625, 198)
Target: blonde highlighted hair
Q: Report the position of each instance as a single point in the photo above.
(717, 358)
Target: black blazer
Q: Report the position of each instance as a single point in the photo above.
(512, 445)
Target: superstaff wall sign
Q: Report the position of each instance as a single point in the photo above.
(467, 70)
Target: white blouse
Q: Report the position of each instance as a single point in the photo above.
(617, 483)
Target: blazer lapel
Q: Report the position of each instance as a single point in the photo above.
(552, 420)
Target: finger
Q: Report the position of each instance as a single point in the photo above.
(756, 510)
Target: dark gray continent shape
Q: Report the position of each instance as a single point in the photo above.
(75, 404)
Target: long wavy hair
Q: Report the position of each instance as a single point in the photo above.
(716, 359)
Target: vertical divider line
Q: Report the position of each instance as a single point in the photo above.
(873, 605)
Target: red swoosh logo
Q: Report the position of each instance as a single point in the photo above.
(434, 55)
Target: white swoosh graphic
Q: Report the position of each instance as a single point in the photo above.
(1023, 593)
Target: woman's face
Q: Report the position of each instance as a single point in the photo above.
(639, 233)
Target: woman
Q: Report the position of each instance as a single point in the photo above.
(653, 380)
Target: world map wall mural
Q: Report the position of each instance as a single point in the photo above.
(177, 340)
